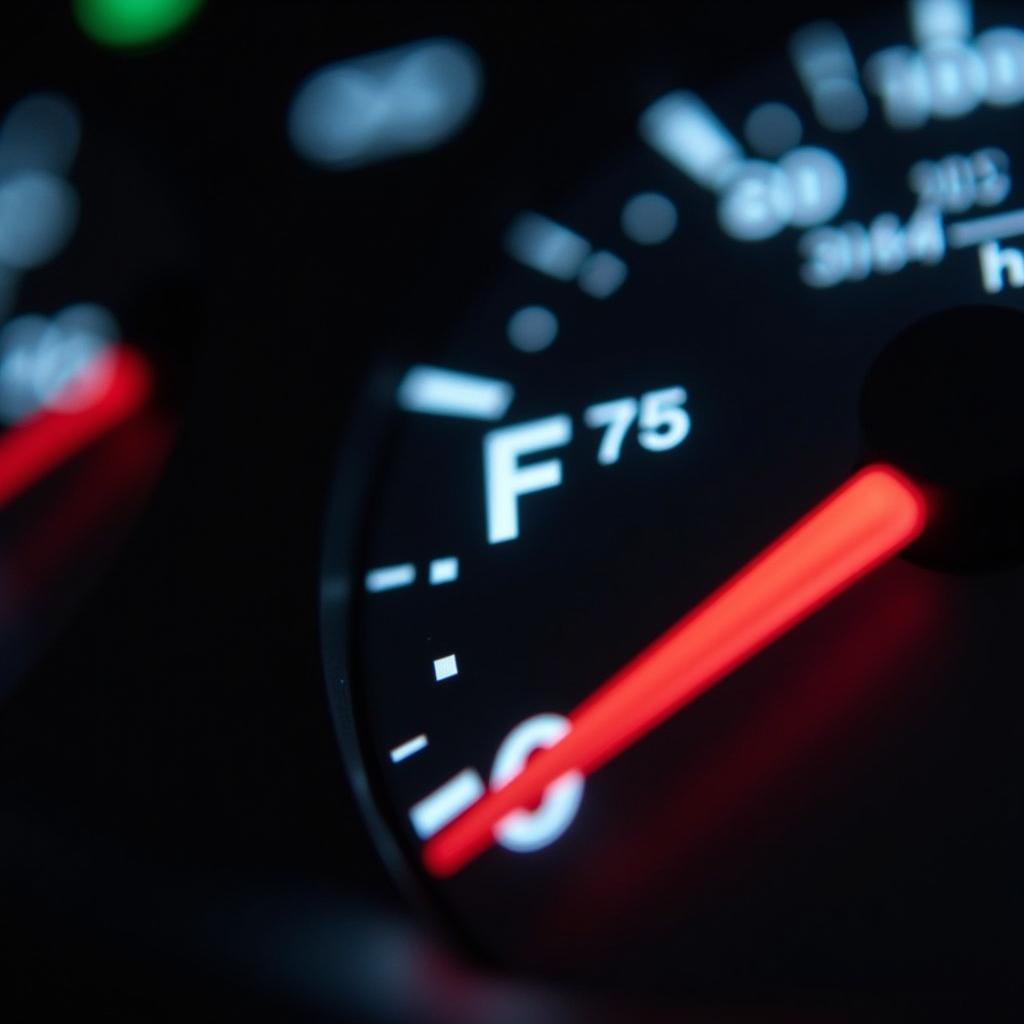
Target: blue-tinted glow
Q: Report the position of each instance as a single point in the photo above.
(966, 233)
(406, 750)
(444, 570)
(824, 62)
(817, 183)
(386, 104)
(88, 318)
(40, 133)
(390, 577)
(948, 77)
(38, 214)
(602, 275)
(546, 246)
(445, 668)
(532, 328)
(40, 356)
(686, 133)
(649, 218)
(757, 204)
(1000, 266)
(1002, 50)
(773, 128)
(439, 392)
(39, 138)
(551, 248)
(898, 75)
(936, 21)
(446, 803)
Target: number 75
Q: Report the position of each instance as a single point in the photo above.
(662, 421)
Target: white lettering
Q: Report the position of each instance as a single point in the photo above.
(506, 480)
(1000, 264)
(853, 251)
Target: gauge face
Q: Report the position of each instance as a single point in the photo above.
(816, 270)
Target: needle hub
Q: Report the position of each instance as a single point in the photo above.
(945, 403)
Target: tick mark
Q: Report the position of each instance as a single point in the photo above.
(444, 570)
(390, 577)
(446, 803)
(445, 668)
(439, 392)
(408, 748)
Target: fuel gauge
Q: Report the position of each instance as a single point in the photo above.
(672, 626)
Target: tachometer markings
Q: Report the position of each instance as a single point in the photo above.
(941, 21)
(444, 570)
(552, 249)
(966, 233)
(439, 392)
(405, 750)
(532, 328)
(602, 274)
(446, 803)
(390, 577)
(649, 218)
(394, 577)
(546, 246)
(827, 70)
(757, 198)
(686, 133)
(445, 668)
(772, 129)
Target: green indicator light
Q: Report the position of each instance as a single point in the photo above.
(128, 23)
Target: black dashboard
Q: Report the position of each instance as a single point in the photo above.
(426, 429)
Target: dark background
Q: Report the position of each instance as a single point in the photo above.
(177, 831)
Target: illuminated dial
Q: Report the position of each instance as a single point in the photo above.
(600, 713)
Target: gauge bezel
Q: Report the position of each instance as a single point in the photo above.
(370, 428)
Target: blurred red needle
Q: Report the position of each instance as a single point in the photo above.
(872, 517)
(39, 444)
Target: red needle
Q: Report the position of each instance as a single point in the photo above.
(38, 445)
(874, 515)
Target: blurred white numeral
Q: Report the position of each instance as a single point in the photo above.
(664, 423)
(615, 417)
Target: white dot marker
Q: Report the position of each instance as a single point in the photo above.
(649, 218)
(444, 570)
(532, 328)
(445, 668)
(602, 275)
(773, 128)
